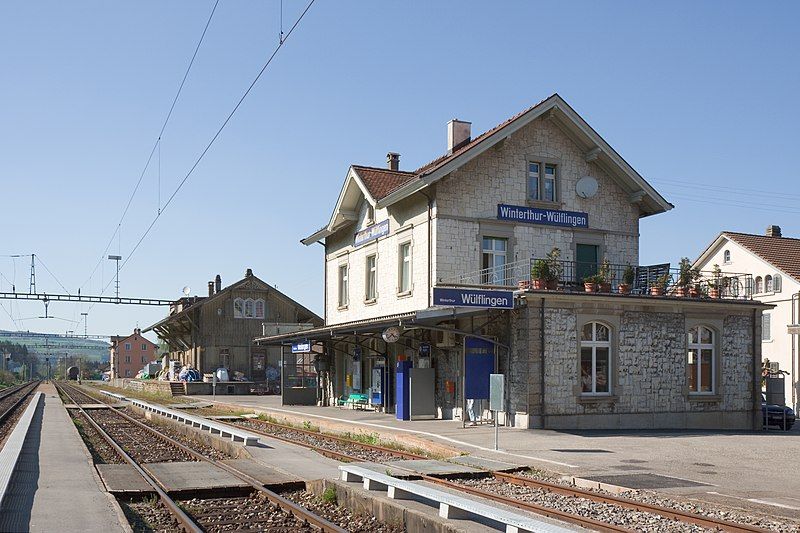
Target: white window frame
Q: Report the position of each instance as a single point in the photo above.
(238, 308)
(537, 193)
(594, 344)
(726, 257)
(759, 285)
(262, 311)
(128, 346)
(343, 282)
(769, 285)
(405, 264)
(490, 276)
(249, 308)
(127, 358)
(698, 347)
(144, 346)
(371, 278)
(777, 283)
(766, 327)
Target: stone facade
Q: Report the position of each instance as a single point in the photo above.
(649, 384)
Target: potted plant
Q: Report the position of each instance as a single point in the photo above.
(592, 283)
(628, 276)
(661, 285)
(686, 278)
(555, 268)
(540, 273)
(606, 276)
(714, 284)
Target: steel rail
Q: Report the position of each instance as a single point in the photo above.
(666, 512)
(635, 505)
(298, 511)
(5, 414)
(186, 522)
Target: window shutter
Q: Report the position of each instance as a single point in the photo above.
(776, 283)
(766, 320)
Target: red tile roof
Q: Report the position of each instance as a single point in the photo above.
(781, 252)
(381, 181)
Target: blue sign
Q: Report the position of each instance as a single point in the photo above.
(548, 217)
(424, 350)
(473, 298)
(301, 347)
(372, 233)
(478, 365)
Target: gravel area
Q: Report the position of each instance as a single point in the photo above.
(149, 515)
(77, 394)
(340, 516)
(250, 513)
(102, 452)
(139, 443)
(690, 506)
(319, 440)
(165, 427)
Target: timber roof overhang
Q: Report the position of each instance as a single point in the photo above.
(384, 189)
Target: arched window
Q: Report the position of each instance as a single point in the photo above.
(776, 283)
(595, 358)
(260, 308)
(248, 308)
(768, 287)
(726, 256)
(238, 308)
(759, 285)
(701, 358)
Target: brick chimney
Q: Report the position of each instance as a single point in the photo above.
(217, 284)
(458, 134)
(393, 161)
(211, 288)
(773, 231)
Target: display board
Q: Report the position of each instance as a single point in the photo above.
(479, 363)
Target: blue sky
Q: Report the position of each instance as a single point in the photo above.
(700, 97)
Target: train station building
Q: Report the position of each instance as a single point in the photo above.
(479, 262)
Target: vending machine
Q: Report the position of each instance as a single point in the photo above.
(376, 396)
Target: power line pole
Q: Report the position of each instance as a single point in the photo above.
(85, 324)
(116, 258)
(33, 275)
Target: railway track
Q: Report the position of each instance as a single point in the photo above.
(267, 510)
(11, 401)
(348, 450)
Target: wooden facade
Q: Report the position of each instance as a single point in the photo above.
(217, 330)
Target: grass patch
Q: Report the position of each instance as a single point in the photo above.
(155, 397)
(329, 496)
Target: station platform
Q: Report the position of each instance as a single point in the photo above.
(713, 466)
(55, 486)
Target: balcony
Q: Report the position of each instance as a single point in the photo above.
(645, 280)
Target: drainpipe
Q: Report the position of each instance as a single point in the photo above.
(324, 282)
(541, 358)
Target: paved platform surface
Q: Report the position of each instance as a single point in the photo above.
(265, 474)
(55, 487)
(121, 478)
(714, 466)
(192, 475)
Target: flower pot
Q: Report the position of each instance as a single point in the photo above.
(524, 284)
(694, 292)
(713, 292)
(657, 291)
(590, 287)
(680, 292)
(539, 284)
(552, 284)
(624, 288)
(605, 287)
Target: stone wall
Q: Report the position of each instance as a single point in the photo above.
(649, 385)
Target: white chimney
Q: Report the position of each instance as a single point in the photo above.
(458, 134)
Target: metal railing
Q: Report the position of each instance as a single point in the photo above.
(571, 275)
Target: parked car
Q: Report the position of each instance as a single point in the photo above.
(776, 415)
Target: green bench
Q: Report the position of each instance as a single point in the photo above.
(355, 401)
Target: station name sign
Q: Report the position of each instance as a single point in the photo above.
(371, 233)
(548, 217)
(473, 298)
(301, 347)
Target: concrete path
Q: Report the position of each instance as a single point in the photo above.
(56, 487)
(742, 469)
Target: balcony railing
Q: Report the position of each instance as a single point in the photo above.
(571, 276)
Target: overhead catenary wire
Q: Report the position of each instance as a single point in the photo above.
(155, 145)
(218, 132)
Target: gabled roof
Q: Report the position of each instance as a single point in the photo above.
(781, 252)
(382, 187)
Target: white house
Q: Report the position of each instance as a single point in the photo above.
(774, 262)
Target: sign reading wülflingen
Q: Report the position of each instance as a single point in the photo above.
(473, 298)
(371, 233)
(549, 217)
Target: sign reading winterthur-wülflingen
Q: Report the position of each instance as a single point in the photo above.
(473, 298)
(549, 217)
(371, 233)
